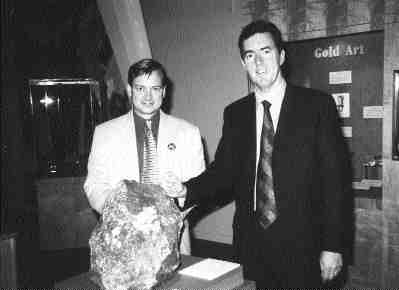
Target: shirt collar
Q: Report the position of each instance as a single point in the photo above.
(141, 121)
(275, 95)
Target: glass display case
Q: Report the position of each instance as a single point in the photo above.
(64, 113)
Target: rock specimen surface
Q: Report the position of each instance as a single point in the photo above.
(136, 243)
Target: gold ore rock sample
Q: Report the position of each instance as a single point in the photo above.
(136, 243)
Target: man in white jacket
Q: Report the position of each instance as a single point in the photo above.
(118, 145)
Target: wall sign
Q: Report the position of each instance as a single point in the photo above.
(350, 68)
(339, 50)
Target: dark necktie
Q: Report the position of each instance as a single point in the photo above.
(149, 173)
(265, 200)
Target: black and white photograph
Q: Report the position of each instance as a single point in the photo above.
(199, 144)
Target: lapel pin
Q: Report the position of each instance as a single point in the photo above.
(171, 146)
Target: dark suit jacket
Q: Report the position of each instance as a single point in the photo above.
(310, 174)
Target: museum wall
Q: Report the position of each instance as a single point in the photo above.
(197, 42)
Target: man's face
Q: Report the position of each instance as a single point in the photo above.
(262, 60)
(147, 93)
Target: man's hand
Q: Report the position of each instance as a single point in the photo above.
(172, 185)
(330, 264)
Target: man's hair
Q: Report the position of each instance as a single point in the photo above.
(260, 26)
(146, 67)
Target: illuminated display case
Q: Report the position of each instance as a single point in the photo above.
(64, 113)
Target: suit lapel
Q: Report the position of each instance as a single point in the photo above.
(252, 125)
(248, 121)
(129, 146)
(284, 117)
(166, 136)
(281, 161)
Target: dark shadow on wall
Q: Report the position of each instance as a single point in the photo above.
(167, 103)
(118, 104)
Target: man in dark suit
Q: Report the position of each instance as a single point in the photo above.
(301, 243)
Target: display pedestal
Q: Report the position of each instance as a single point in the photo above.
(84, 281)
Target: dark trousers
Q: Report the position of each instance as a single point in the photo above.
(276, 264)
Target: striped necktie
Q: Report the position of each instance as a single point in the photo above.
(265, 200)
(149, 173)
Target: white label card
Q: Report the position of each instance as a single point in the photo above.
(347, 132)
(209, 269)
(340, 77)
(373, 112)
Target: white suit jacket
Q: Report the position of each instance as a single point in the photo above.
(114, 157)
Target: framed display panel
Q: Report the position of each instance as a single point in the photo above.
(64, 113)
(395, 116)
(348, 67)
